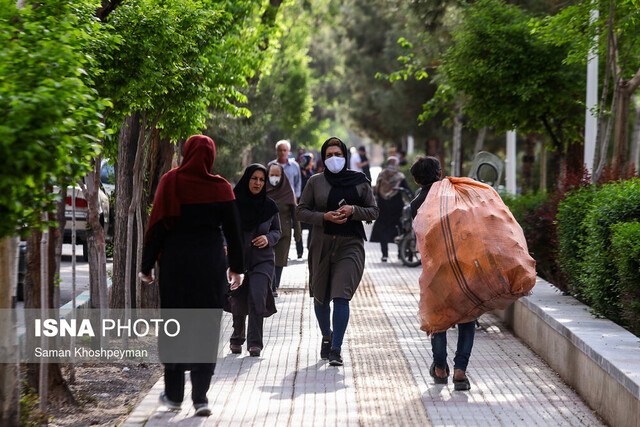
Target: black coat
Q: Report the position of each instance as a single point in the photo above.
(386, 227)
(191, 255)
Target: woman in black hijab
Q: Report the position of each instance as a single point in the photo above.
(260, 232)
(335, 202)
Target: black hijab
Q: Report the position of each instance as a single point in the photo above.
(254, 208)
(346, 177)
(343, 187)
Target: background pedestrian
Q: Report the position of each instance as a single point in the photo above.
(260, 233)
(279, 190)
(390, 203)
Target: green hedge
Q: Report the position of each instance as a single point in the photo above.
(536, 214)
(589, 245)
(611, 204)
(571, 235)
(625, 242)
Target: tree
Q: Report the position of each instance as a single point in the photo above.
(618, 45)
(174, 61)
(51, 117)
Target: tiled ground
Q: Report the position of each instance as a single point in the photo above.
(385, 380)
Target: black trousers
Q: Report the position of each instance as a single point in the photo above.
(257, 295)
(201, 374)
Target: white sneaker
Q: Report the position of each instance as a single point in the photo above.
(170, 404)
(202, 409)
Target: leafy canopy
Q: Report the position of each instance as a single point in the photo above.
(50, 116)
(509, 77)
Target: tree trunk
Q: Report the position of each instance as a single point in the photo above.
(434, 149)
(482, 134)
(159, 162)
(621, 129)
(528, 159)
(456, 154)
(9, 378)
(635, 139)
(127, 144)
(57, 388)
(621, 144)
(543, 165)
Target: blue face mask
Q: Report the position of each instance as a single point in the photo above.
(335, 163)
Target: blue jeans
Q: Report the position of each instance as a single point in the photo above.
(340, 319)
(466, 333)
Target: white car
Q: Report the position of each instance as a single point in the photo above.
(82, 208)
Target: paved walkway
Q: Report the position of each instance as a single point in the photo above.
(385, 379)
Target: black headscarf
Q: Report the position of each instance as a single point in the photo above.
(254, 208)
(346, 177)
(343, 187)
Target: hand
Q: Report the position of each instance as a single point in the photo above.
(235, 279)
(148, 279)
(260, 241)
(335, 216)
(346, 210)
(226, 252)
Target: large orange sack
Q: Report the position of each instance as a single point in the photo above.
(474, 254)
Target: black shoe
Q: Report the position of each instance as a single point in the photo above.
(462, 385)
(325, 347)
(202, 409)
(235, 348)
(437, 379)
(254, 351)
(334, 357)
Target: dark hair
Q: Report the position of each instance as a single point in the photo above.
(426, 169)
(361, 148)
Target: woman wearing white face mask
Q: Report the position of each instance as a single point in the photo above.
(335, 202)
(280, 191)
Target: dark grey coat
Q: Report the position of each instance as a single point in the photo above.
(335, 262)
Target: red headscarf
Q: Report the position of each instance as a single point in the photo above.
(191, 183)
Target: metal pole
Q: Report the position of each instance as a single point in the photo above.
(591, 119)
(510, 176)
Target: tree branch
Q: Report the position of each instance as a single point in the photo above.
(107, 7)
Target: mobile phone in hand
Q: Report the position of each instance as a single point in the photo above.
(342, 203)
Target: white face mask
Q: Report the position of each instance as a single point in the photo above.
(335, 163)
(274, 180)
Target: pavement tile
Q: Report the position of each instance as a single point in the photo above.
(385, 380)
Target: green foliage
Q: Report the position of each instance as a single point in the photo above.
(176, 59)
(573, 23)
(571, 235)
(611, 204)
(625, 240)
(50, 117)
(30, 416)
(536, 213)
(521, 205)
(511, 78)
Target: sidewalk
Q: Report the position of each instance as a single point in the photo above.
(385, 379)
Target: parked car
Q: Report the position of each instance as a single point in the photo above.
(82, 208)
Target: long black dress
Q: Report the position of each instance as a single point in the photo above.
(193, 275)
(385, 229)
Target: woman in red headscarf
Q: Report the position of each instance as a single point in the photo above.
(191, 211)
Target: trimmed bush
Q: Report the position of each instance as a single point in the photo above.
(536, 214)
(611, 204)
(625, 242)
(571, 235)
